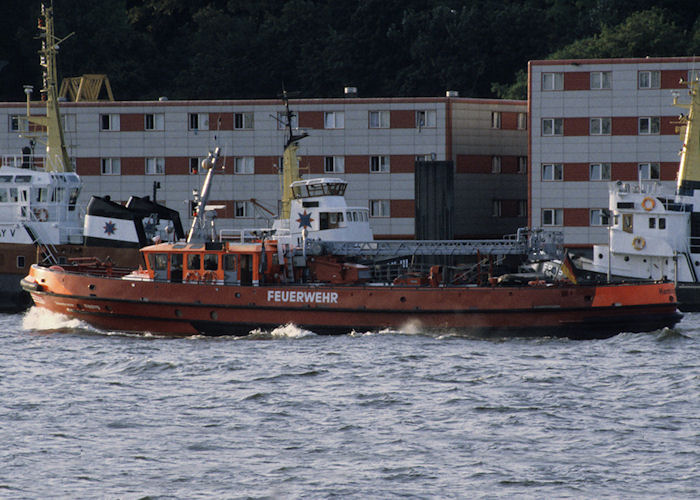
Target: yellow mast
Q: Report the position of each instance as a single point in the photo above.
(689, 170)
(290, 161)
(57, 159)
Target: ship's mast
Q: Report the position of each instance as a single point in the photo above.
(290, 161)
(198, 229)
(689, 170)
(57, 159)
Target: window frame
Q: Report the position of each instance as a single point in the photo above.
(379, 164)
(552, 81)
(243, 120)
(154, 165)
(333, 120)
(654, 79)
(383, 119)
(336, 163)
(496, 119)
(557, 170)
(556, 127)
(653, 167)
(157, 122)
(653, 125)
(242, 209)
(496, 164)
(107, 166)
(598, 217)
(383, 208)
(604, 80)
(557, 216)
(426, 118)
(244, 165)
(600, 169)
(600, 126)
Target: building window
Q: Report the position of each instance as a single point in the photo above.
(379, 208)
(522, 164)
(155, 166)
(378, 164)
(495, 119)
(552, 172)
(599, 172)
(198, 121)
(552, 126)
(194, 165)
(109, 122)
(430, 157)
(649, 79)
(378, 119)
(21, 262)
(282, 120)
(334, 164)
(600, 126)
(110, 166)
(495, 164)
(601, 80)
(662, 222)
(552, 216)
(426, 119)
(243, 209)
(522, 121)
(649, 125)
(243, 121)
(552, 81)
(334, 119)
(496, 208)
(522, 208)
(599, 217)
(154, 121)
(649, 171)
(244, 165)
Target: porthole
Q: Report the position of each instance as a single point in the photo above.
(213, 315)
(403, 299)
(178, 313)
(600, 256)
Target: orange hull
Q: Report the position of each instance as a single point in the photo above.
(210, 309)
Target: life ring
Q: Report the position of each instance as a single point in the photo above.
(638, 243)
(41, 214)
(209, 277)
(192, 277)
(648, 203)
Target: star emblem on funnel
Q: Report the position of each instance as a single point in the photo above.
(110, 228)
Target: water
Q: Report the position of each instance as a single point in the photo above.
(289, 414)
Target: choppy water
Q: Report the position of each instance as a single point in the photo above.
(290, 414)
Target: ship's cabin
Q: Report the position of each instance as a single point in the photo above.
(31, 195)
(212, 262)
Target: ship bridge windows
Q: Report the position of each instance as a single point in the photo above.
(73, 198)
(40, 195)
(23, 179)
(330, 220)
(194, 262)
(5, 178)
(211, 262)
(319, 189)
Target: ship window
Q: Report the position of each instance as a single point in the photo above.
(3, 195)
(211, 262)
(176, 262)
(5, 178)
(662, 223)
(73, 198)
(20, 262)
(23, 178)
(652, 222)
(193, 261)
(330, 220)
(627, 224)
(229, 262)
(14, 195)
(159, 261)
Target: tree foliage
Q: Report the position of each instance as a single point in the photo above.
(215, 49)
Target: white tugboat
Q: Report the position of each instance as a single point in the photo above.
(655, 234)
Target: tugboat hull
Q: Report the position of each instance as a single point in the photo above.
(580, 312)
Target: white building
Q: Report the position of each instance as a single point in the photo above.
(596, 121)
(121, 148)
